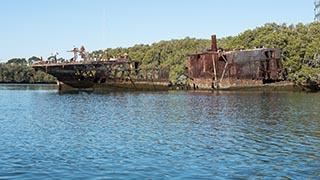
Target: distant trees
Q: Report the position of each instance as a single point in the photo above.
(172, 53)
(33, 59)
(300, 45)
(16, 71)
(18, 61)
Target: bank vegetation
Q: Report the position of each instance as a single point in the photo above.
(300, 46)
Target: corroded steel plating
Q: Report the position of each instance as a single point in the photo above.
(216, 69)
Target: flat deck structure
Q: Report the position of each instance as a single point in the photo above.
(118, 74)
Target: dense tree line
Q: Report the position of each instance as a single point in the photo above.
(300, 46)
(17, 71)
(172, 53)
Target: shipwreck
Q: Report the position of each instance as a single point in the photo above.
(213, 69)
(236, 69)
(111, 74)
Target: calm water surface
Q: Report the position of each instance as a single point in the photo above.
(170, 135)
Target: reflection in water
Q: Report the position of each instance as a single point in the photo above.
(185, 135)
(27, 86)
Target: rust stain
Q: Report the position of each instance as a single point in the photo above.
(222, 69)
(87, 73)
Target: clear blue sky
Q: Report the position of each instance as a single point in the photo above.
(42, 27)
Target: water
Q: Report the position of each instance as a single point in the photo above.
(168, 135)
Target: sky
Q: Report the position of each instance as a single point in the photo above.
(42, 27)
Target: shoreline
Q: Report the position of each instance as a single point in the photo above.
(291, 87)
(28, 83)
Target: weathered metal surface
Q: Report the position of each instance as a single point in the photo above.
(214, 43)
(119, 73)
(239, 68)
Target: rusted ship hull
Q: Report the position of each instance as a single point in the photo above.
(99, 76)
(237, 69)
(116, 87)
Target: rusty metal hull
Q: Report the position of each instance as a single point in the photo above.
(116, 87)
(235, 69)
(118, 75)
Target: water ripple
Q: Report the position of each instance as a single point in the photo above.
(171, 135)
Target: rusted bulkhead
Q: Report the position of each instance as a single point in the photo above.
(218, 69)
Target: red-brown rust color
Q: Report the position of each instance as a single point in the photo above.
(216, 69)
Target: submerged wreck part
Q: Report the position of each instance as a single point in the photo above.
(218, 69)
(112, 75)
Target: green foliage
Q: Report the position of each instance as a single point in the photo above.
(17, 73)
(33, 59)
(300, 45)
(18, 61)
(171, 54)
